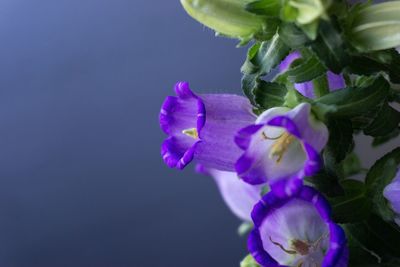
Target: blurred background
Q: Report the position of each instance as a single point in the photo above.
(81, 179)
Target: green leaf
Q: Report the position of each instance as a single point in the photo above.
(263, 57)
(379, 238)
(265, 7)
(249, 262)
(378, 177)
(385, 123)
(340, 141)
(330, 48)
(269, 94)
(327, 179)
(377, 169)
(375, 27)
(372, 63)
(356, 101)
(383, 139)
(292, 36)
(305, 71)
(354, 205)
(351, 165)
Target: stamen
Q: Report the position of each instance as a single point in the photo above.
(301, 247)
(265, 136)
(281, 145)
(192, 132)
(291, 252)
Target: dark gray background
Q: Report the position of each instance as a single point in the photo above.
(82, 182)
(81, 179)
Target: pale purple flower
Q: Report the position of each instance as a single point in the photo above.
(238, 195)
(203, 128)
(392, 194)
(282, 144)
(296, 230)
(335, 81)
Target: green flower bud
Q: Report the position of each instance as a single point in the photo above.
(375, 27)
(226, 17)
(306, 14)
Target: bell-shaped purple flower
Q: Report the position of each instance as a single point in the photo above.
(335, 81)
(238, 195)
(282, 144)
(392, 194)
(296, 230)
(203, 127)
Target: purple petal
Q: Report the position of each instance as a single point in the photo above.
(226, 115)
(203, 128)
(239, 196)
(178, 152)
(303, 139)
(281, 222)
(285, 64)
(335, 81)
(392, 194)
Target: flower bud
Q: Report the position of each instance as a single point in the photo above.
(226, 17)
(376, 27)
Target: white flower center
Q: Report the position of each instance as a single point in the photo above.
(280, 146)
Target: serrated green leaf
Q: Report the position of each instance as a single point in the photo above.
(387, 61)
(340, 141)
(263, 57)
(305, 71)
(356, 101)
(387, 121)
(330, 48)
(383, 139)
(354, 205)
(269, 94)
(265, 7)
(292, 36)
(376, 170)
(249, 262)
(378, 237)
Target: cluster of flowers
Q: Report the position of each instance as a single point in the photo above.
(264, 150)
(244, 153)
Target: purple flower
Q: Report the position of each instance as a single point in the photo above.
(282, 144)
(238, 195)
(203, 127)
(392, 194)
(296, 230)
(307, 89)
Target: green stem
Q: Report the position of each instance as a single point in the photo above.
(321, 86)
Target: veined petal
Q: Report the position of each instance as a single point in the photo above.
(239, 196)
(296, 230)
(203, 128)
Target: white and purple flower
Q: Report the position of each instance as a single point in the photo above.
(238, 195)
(203, 127)
(296, 230)
(283, 144)
(392, 194)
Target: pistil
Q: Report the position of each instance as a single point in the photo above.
(192, 132)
